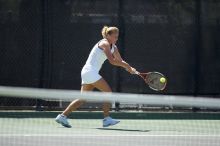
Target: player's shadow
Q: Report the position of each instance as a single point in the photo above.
(123, 129)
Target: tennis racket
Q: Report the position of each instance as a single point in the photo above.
(153, 80)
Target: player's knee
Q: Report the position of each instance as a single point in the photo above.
(109, 90)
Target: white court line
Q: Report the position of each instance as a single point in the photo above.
(56, 135)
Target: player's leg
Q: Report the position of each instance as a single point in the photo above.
(103, 86)
(62, 118)
(77, 103)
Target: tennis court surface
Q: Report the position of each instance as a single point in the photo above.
(137, 128)
(26, 131)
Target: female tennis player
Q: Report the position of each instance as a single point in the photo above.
(104, 49)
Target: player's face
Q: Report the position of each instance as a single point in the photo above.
(114, 38)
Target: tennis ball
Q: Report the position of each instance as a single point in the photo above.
(162, 80)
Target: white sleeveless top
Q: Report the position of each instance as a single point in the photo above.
(97, 57)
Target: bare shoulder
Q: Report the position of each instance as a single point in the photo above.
(104, 44)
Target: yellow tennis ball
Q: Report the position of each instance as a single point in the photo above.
(162, 80)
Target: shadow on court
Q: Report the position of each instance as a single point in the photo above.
(114, 129)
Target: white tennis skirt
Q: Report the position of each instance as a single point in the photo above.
(89, 75)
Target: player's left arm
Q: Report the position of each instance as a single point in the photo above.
(117, 56)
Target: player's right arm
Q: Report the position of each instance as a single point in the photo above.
(114, 60)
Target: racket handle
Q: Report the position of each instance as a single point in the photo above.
(136, 72)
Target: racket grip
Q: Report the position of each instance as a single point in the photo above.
(136, 72)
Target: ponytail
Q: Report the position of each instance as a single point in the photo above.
(104, 31)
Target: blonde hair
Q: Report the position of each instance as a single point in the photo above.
(109, 30)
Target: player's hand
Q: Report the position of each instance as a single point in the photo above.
(131, 70)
